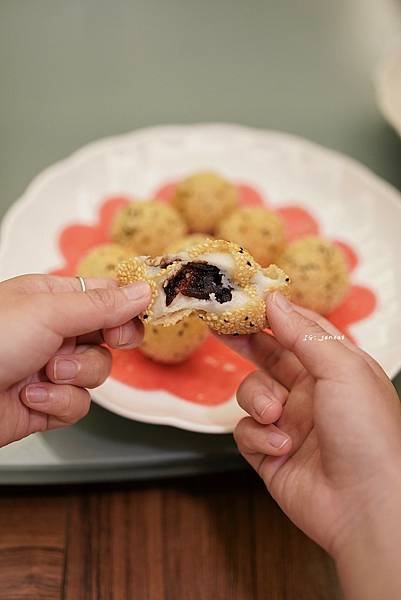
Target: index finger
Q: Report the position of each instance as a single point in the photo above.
(322, 354)
(55, 284)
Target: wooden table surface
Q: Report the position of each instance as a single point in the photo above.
(217, 537)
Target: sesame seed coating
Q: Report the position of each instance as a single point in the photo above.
(203, 199)
(173, 344)
(245, 313)
(147, 227)
(102, 261)
(318, 272)
(257, 229)
(187, 242)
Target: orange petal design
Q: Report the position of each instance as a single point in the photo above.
(213, 373)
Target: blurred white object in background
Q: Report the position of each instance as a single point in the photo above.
(388, 88)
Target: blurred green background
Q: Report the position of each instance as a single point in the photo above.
(73, 71)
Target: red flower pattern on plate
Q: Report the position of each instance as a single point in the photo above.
(212, 374)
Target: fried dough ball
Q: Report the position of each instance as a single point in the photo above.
(102, 261)
(218, 280)
(173, 344)
(148, 227)
(257, 229)
(187, 242)
(318, 273)
(203, 199)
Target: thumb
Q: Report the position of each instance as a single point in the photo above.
(320, 352)
(76, 313)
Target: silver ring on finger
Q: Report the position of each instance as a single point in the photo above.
(82, 283)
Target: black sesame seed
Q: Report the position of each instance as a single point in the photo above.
(145, 316)
(235, 334)
(225, 320)
(246, 319)
(287, 279)
(249, 263)
(241, 251)
(251, 324)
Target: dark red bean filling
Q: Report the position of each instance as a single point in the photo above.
(198, 280)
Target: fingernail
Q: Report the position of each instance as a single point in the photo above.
(36, 394)
(124, 336)
(282, 303)
(137, 290)
(263, 403)
(277, 439)
(65, 369)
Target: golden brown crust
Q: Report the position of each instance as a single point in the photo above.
(244, 273)
(203, 199)
(257, 229)
(318, 272)
(174, 343)
(102, 261)
(148, 227)
(188, 241)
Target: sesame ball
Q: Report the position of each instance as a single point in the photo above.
(229, 297)
(318, 273)
(187, 242)
(102, 261)
(148, 227)
(257, 229)
(172, 344)
(203, 199)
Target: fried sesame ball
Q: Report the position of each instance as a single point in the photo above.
(148, 227)
(259, 230)
(204, 199)
(318, 273)
(217, 280)
(173, 344)
(102, 261)
(187, 242)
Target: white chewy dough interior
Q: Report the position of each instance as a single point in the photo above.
(226, 265)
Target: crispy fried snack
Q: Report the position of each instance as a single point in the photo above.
(203, 199)
(218, 280)
(102, 261)
(147, 227)
(318, 271)
(188, 241)
(257, 229)
(173, 344)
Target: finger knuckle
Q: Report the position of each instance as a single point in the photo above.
(103, 299)
(101, 366)
(359, 364)
(304, 330)
(248, 383)
(83, 406)
(242, 434)
(66, 402)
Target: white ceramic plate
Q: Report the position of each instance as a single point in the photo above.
(388, 88)
(350, 202)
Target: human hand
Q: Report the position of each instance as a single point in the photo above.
(50, 336)
(324, 433)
